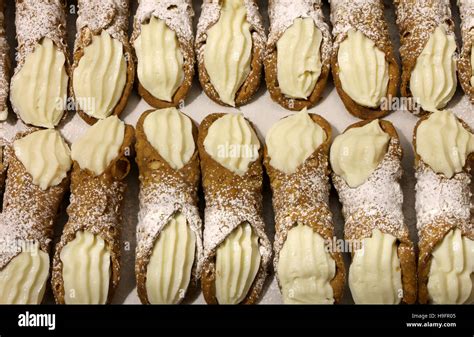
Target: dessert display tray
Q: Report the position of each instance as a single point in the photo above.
(263, 112)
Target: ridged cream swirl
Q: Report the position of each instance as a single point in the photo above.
(86, 270)
(100, 145)
(160, 61)
(357, 153)
(39, 89)
(363, 70)
(306, 268)
(45, 156)
(443, 143)
(292, 140)
(237, 263)
(169, 270)
(23, 280)
(228, 50)
(375, 275)
(232, 142)
(100, 77)
(451, 277)
(472, 66)
(299, 58)
(433, 81)
(170, 132)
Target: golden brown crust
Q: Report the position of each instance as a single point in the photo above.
(432, 234)
(277, 29)
(224, 190)
(28, 211)
(417, 20)
(364, 224)
(154, 171)
(308, 203)
(252, 83)
(96, 207)
(367, 20)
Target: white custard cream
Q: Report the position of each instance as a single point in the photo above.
(160, 61)
(443, 143)
(23, 280)
(45, 156)
(232, 142)
(375, 275)
(170, 132)
(169, 270)
(299, 58)
(292, 140)
(39, 89)
(358, 152)
(363, 70)
(237, 263)
(100, 145)
(433, 80)
(228, 50)
(451, 276)
(306, 268)
(86, 270)
(100, 77)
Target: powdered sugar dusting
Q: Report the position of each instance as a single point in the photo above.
(466, 8)
(379, 199)
(36, 20)
(177, 15)
(441, 199)
(284, 12)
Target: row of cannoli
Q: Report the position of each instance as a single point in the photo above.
(231, 50)
(231, 255)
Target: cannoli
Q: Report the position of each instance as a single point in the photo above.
(230, 46)
(4, 65)
(466, 61)
(298, 55)
(237, 251)
(296, 160)
(163, 42)
(37, 178)
(86, 265)
(169, 233)
(443, 152)
(364, 66)
(39, 86)
(428, 53)
(103, 70)
(366, 160)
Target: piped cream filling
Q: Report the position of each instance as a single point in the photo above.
(472, 66)
(228, 50)
(433, 81)
(357, 153)
(237, 263)
(363, 70)
(375, 274)
(45, 156)
(160, 61)
(306, 268)
(23, 280)
(100, 145)
(292, 140)
(232, 142)
(39, 89)
(169, 270)
(299, 58)
(86, 270)
(100, 77)
(170, 132)
(443, 143)
(451, 276)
